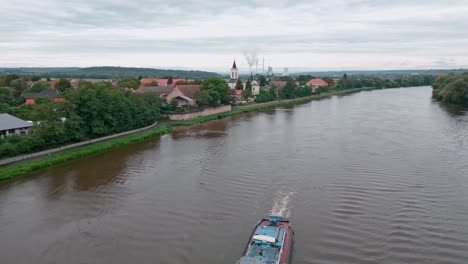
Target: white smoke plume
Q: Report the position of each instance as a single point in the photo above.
(252, 58)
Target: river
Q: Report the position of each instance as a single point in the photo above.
(373, 177)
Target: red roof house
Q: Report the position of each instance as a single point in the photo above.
(317, 82)
(52, 94)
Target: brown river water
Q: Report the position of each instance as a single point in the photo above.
(373, 177)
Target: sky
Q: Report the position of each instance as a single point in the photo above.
(316, 35)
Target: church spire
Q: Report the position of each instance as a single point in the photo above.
(234, 71)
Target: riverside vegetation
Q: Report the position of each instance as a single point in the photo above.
(91, 111)
(98, 109)
(14, 170)
(451, 89)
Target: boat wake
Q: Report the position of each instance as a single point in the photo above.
(281, 204)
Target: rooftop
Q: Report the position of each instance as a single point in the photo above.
(317, 81)
(11, 122)
(44, 93)
(155, 89)
(189, 90)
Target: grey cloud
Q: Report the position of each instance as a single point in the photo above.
(403, 28)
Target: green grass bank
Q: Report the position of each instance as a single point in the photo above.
(14, 170)
(18, 169)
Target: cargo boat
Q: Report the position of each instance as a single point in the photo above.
(270, 242)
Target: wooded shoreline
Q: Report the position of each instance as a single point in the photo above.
(28, 166)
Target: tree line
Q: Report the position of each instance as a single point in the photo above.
(90, 111)
(451, 89)
(353, 82)
(110, 72)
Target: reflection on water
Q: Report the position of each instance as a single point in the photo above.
(454, 110)
(203, 130)
(373, 177)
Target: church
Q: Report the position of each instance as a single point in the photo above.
(235, 76)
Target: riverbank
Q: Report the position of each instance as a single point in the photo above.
(18, 169)
(14, 170)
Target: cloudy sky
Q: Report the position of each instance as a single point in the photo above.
(207, 35)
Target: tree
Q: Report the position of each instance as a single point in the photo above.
(39, 86)
(272, 91)
(303, 91)
(169, 80)
(63, 85)
(18, 86)
(239, 85)
(4, 108)
(264, 96)
(128, 83)
(247, 92)
(6, 96)
(263, 80)
(218, 89)
(35, 78)
(154, 83)
(455, 92)
(174, 104)
(9, 78)
(288, 91)
(202, 97)
(322, 89)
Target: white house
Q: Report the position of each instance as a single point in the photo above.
(10, 125)
(255, 87)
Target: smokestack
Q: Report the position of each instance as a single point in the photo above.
(263, 70)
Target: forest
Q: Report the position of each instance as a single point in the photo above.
(107, 72)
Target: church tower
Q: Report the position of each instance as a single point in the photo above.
(234, 71)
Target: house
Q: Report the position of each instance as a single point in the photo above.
(316, 83)
(74, 83)
(52, 94)
(160, 82)
(10, 125)
(255, 87)
(278, 84)
(236, 94)
(163, 91)
(183, 94)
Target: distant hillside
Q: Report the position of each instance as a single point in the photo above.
(107, 72)
(389, 73)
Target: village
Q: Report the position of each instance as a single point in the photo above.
(177, 95)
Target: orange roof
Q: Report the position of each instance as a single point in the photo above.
(317, 82)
